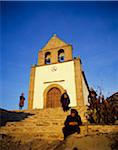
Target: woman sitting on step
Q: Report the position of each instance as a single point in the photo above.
(72, 123)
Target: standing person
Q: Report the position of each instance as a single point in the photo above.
(92, 97)
(72, 124)
(65, 101)
(21, 103)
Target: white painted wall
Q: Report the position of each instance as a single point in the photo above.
(64, 71)
(85, 91)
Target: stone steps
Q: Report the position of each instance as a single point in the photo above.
(46, 116)
(42, 123)
(47, 125)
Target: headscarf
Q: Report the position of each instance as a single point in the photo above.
(74, 111)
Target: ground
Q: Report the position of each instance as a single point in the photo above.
(42, 130)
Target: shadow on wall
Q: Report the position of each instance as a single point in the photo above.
(11, 116)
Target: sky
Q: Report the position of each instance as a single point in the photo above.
(25, 27)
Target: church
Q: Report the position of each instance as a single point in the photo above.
(56, 71)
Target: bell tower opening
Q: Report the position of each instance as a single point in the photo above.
(61, 55)
(47, 58)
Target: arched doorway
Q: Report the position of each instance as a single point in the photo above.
(53, 98)
(52, 95)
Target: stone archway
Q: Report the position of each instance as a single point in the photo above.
(52, 95)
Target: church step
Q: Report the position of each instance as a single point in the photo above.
(39, 119)
(40, 122)
(55, 128)
(54, 132)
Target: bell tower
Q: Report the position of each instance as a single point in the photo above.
(55, 51)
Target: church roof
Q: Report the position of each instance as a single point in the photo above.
(54, 42)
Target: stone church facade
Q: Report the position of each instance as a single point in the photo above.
(56, 71)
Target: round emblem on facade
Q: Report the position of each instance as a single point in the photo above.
(53, 69)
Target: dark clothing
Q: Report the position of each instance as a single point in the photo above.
(65, 101)
(92, 98)
(73, 119)
(70, 129)
(21, 103)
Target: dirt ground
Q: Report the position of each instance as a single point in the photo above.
(88, 142)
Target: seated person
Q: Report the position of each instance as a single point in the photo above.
(72, 123)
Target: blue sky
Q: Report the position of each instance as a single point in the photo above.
(91, 27)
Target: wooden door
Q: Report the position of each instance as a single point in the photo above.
(53, 98)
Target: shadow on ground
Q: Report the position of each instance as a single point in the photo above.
(11, 116)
